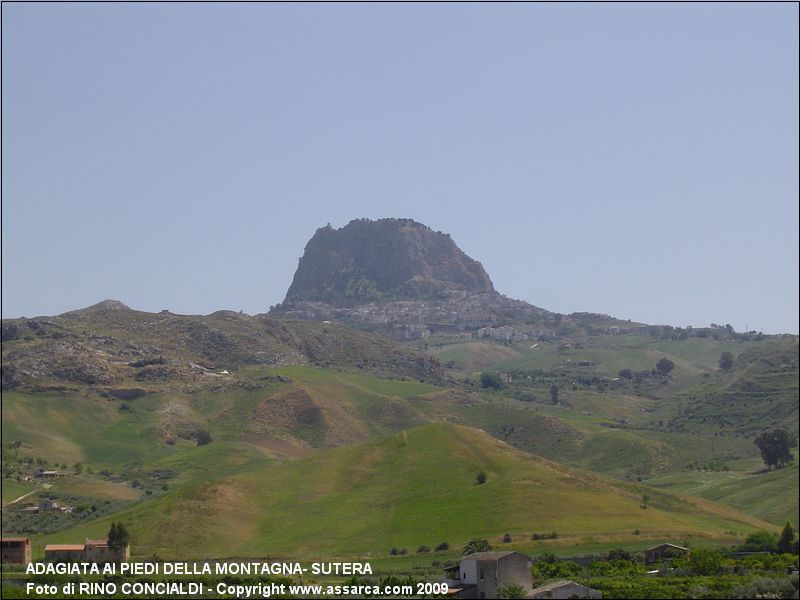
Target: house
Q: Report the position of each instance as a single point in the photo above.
(664, 551)
(565, 589)
(61, 553)
(481, 574)
(45, 473)
(97, 551)
(16, 550)
(93, 551)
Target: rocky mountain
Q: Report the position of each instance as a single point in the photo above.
(388, 259)
(401, 277)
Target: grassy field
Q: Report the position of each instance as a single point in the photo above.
(14, 489)
(769, 495)
(412, 488)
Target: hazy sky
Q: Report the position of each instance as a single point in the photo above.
(637, 160)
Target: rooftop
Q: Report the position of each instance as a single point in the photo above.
(57, 547)
(667, 545)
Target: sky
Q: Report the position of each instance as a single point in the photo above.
(635, 160)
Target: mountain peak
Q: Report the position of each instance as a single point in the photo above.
(387, 259)
(103, 306)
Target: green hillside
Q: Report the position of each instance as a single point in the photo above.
(159, 418)
(412, 488)
(769, 495)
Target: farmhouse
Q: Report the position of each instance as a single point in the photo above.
(97, 551)
(45, 473)
(92, 551)
(481, 574)
(663, 551)
(565, 589)
(57, 553)
(16, 550)
(50, 505)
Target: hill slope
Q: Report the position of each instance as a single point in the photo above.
(415, 487)
(112, 346)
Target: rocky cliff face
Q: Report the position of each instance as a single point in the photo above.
(401, 278)
(388, 259)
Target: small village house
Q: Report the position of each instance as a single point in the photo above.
(565, 589)
(481, 574)
(663, 552)
(92, 551)
(98, 551)
(16, 550)
(47, 473)
(63, 553)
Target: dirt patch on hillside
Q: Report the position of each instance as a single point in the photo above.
(289, 411)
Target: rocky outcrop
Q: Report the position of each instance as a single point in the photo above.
(401, 278)
(388, 259)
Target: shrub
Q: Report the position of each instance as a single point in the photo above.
(480, 478)
(203, 437)
(491, 381)
(665, 366)
(507, 538)
(511, 590)
(619, 554)
(423, 549)
(557, 569)
(705, 561)
(726, 361)
(442, 546)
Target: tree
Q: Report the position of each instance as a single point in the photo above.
(476, 545)
(619, 554)
(507, 538)
(760, 541)
(774, 446)
(203, 437)
(491, 380)
(705, 561)
(118, 539)
(726, 361)
(480, 478)
(511, 590)
(626, 374)
(785, 544)
(665, 366)
(554, 394)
